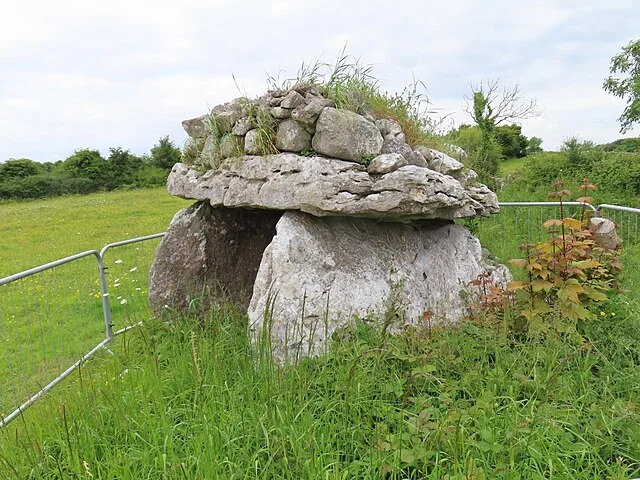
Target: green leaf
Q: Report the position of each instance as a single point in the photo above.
(539, 285)
(424, 369)
(586, 264)
(570, 292)
(593, 294)
(407, 456)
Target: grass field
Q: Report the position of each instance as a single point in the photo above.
(47, 321)
(191, 399)
(40, 231)
(512, 165)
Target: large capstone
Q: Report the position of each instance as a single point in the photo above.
(329, 187)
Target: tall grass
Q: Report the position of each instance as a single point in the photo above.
(191, 399)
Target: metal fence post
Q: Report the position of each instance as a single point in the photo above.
(106, 309)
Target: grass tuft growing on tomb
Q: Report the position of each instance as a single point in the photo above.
(353, 86)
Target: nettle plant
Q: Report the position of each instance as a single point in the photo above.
(567, 274)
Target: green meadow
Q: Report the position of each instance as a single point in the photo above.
(40, 231)
(49, 320)
(192, 399)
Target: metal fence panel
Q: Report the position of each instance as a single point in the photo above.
(126, 267)
(54, 317)
(49, 317)
(628, 222)
(519, 223)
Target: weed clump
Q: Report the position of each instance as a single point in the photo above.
(566, 276)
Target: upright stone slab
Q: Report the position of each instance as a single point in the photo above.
(319, 272)
(209, 254)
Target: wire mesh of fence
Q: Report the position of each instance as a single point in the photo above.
(57, 315)
(47, 321)
(520, 223)
(628, 228)
(126, 268)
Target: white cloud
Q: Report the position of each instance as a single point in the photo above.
(124, 73)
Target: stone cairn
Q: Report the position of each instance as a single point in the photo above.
(307, 215)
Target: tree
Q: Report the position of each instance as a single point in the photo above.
(581, 154)
(511, 140)
(121, 167)
(85, 163)
(630, 145)
(491, 104)
(165, 154)
(534, 146)
(627, 87)
(19, 168)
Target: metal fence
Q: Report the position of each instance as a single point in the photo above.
(522, 222)
(56, 316)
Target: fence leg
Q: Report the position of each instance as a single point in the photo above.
(106, 310)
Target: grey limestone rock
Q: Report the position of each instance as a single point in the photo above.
(242, 126)
(209, 254)
(292, 137)
(426, 153)
(604, 233)
(190, 150)
(305, 87)
(386, 163)
(418, 160)
(329, 187)
(280, 112)
(251, 142)
(390, 129)
(231, 146)
(443, 163)
(196, 127)
(292, 100)
(307, 113)
(227, 114)
(317, 273)
(210, 154)
(346, 135)
(395, 145)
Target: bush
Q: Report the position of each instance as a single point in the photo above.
(616, 173)
(41, 186)
(150, 177)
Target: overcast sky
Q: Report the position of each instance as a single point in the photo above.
(96, 74)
